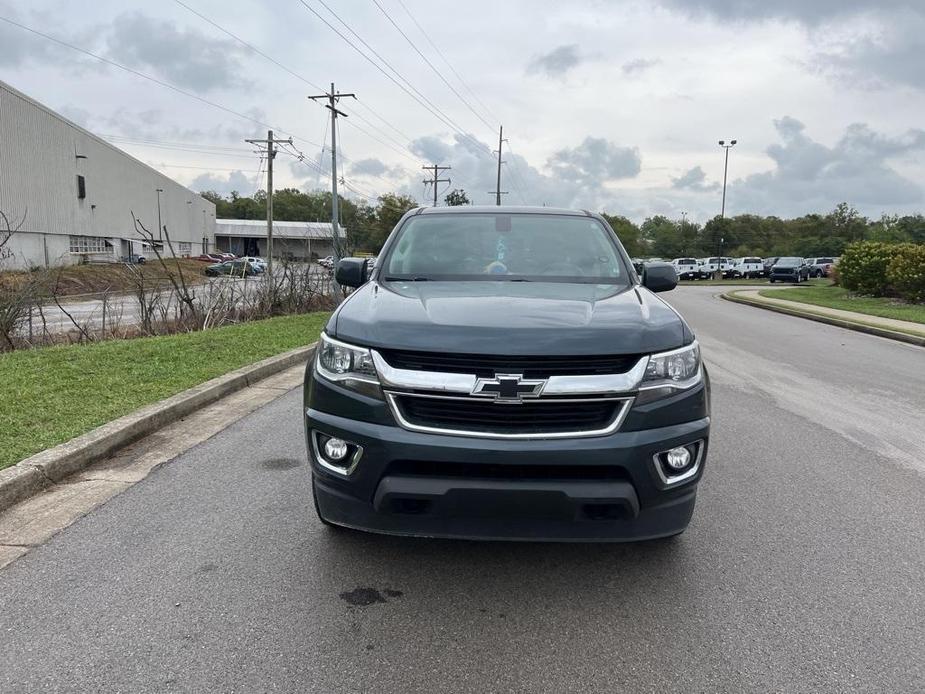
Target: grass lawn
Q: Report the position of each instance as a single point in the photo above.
(53, 394)
(836, 297)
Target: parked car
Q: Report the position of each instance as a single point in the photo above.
(235, 268)
(211, 258)
(790, 269)
(327, 262)
(820, 267)
(134, 259)
(260, 265)
(747, 267)
(546, 394)
(768, 264)
(687, 268)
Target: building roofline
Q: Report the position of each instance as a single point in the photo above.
(67, 121)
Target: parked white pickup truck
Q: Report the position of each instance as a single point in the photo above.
(708, 266)
(687, 268)
(748, 267)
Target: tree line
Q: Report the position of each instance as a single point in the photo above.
(749, 234)
(367, 226)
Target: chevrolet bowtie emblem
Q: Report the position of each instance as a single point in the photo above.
(510, 388)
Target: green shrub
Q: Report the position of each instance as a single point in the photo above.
(863, 266)
(906, 272)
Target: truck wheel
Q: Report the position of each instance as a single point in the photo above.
(772, 280)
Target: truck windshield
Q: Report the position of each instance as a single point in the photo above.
(505, 247)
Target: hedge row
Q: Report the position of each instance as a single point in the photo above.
(884, 269)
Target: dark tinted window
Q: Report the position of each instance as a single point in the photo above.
(534, 247)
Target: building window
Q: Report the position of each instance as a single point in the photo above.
(81, 187)
(185, 247)
(88, 244)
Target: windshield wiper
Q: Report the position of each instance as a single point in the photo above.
(407, 279)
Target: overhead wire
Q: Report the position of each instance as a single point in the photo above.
(302, 78)
(138, 73)
(413, 92)
(447, 62)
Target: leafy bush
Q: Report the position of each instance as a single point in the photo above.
(863, 266)
(906, 272)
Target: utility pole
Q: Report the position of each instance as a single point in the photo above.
(436, 179)
(722, 143)
(270, 144)
(333, 97)
(497, 192)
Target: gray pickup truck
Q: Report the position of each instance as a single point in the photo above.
(504, 373)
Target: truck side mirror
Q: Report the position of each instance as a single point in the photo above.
(351, 272)
(659, 277)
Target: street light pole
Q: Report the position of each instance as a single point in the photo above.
(722, 143)
(160, 227)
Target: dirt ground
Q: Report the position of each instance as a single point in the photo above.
(95, 278)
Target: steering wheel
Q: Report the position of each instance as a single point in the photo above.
(563, 268)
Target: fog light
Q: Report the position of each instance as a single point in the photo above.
(336, 449)
(678, 458)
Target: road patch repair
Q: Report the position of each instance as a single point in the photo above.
(903, 331)
(48, 491)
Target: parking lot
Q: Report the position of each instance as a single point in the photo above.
(801, 570)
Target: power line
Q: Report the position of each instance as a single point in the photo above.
(436, 179)
(296, 75)
(415, 94)
(137, 73)
(199, 168)
(431, 65)
(245, 43)
(448, 64)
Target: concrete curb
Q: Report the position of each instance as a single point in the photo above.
(830, 320)
(37, 472)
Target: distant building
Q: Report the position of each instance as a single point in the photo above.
(292, 240)
(78, 193)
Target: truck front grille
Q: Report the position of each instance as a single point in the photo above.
(539, 418)
(487, 366)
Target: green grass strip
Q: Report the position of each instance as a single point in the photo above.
(837, 297)
(51, 395)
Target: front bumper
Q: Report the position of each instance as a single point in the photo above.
(603, 488)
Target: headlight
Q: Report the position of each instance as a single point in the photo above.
(669, 372)
(348, 366)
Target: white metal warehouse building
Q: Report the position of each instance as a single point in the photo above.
(78, 192)
(293, 240)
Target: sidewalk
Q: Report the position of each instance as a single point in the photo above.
(906, 331)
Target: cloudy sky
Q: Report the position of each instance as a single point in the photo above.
(613, 105)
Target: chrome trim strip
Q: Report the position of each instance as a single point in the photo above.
(395, 407)
(605, 384)
(391, 377)
(343, 471)
(674, 480)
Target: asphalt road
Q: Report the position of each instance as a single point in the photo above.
(802, 570)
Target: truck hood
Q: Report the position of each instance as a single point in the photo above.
(513, 318)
